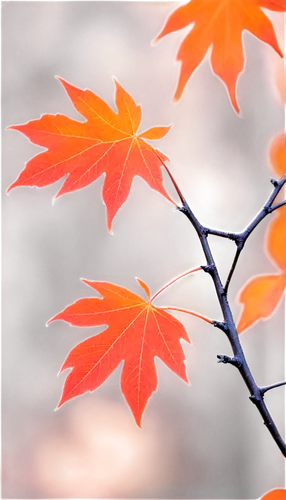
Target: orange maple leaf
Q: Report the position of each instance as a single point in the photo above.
(82, 151)
(262, 294)
(137, 332)
(220, 23)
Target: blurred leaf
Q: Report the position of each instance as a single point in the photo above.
(262, 294)
(219, 24)
(278, 154)
(276, 239)
(260, 297)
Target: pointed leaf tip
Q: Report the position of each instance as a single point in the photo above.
(144, 286)
(154, 41)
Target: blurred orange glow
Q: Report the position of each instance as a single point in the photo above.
(262, 294)
(100, 453)
(275, 494)
(277, 62)
(276, 154)
(275, 239)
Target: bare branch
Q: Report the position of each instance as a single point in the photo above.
(228, 325)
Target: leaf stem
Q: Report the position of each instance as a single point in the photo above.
(228, 325)
(169, 308)
(174, 280)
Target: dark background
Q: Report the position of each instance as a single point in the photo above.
(203, 441)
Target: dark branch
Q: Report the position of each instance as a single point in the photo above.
(228, 326)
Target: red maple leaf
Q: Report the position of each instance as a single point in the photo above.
(82, 151)
(137, 332)
(219, 23)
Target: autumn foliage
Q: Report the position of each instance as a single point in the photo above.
(137, 332)
(219, 24)
(109, 142)
(106, 142)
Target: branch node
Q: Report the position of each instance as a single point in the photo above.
(209, 269)
(274, 182)
(179, 208)
(205, 229)
(255, 399)
(221, 325)
(222, 358)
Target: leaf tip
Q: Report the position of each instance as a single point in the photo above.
(175, 99)
(155, 41)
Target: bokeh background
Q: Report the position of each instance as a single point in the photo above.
(200, 441)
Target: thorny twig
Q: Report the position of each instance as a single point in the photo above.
(256, 392)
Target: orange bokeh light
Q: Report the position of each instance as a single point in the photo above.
(276, 154)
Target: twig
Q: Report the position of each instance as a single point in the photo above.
(240, 236)
(228, 325)
(263, 390)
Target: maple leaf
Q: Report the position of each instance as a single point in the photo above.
(220, 23)
(106, 142)
(137, 332)
(262, 294)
